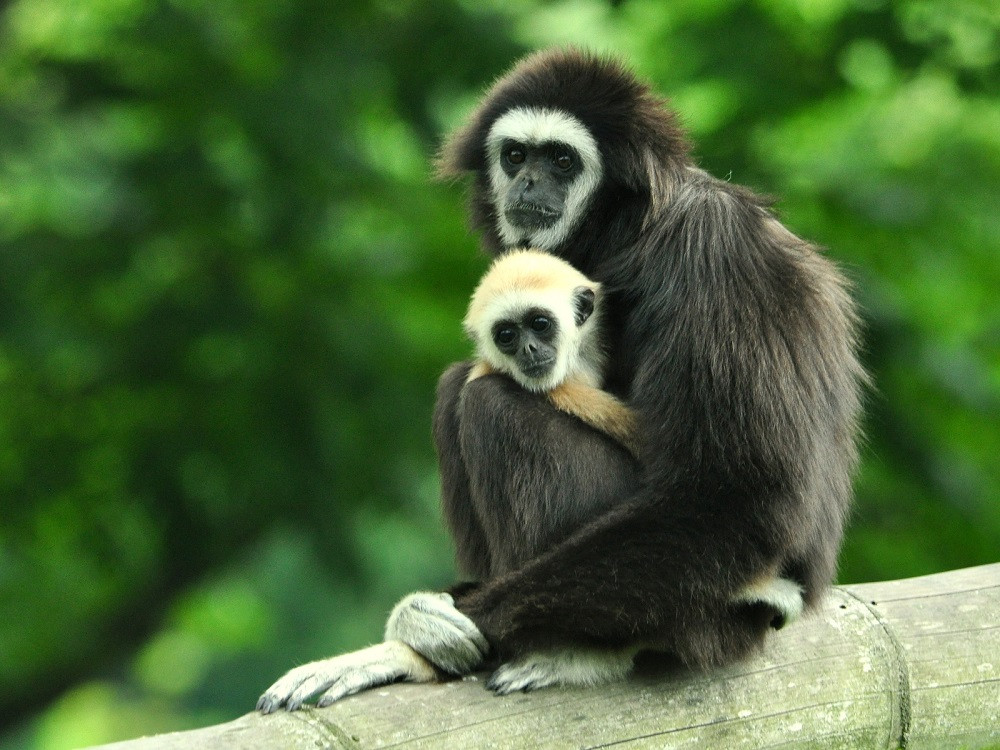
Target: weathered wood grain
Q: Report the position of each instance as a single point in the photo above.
(912, 663)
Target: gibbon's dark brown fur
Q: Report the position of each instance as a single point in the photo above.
(735, 343)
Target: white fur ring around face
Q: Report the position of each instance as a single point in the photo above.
(430, 624)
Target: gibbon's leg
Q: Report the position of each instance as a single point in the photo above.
(772, 601)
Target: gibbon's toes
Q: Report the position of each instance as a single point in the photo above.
(351, 683)
(297, 686)
(519, 677)
(308, 689)
(574, 666)
(267, 704)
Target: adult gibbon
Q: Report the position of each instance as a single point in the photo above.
(732, 340)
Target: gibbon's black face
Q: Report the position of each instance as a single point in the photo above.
(544, 168)
(539, 177)
(626, 148)
(529, 341)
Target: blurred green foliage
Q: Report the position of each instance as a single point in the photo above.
(227, 287)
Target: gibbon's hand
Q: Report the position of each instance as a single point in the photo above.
(345, 675)
(429, 624)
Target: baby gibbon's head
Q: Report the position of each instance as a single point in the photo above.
(532, 317)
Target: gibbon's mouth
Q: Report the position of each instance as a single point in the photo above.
(538, 369)
(531, 215)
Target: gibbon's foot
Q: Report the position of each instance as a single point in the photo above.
(345, 675)
(563, 667)
(781, 594)
(429, 624)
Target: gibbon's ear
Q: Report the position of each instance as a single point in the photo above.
(583, 304)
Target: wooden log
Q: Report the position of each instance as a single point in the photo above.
(912, 663)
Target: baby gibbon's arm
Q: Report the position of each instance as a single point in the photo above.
(599, 409)
(481, 368)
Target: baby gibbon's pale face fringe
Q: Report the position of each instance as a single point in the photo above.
(522, 280)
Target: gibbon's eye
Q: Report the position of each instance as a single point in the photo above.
(505, 336)
(540, 324)
(515, 155)
(563, 160)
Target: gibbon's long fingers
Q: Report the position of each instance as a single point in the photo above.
(377, 665)
(308, 688)
(366, 677)
(277, 695)
(429, 623)
(402, 662)
(351, 684)
(319, 674)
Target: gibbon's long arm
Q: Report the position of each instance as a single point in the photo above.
(737, 481)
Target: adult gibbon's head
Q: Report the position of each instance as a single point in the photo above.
(559, 130)
(533, 317)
